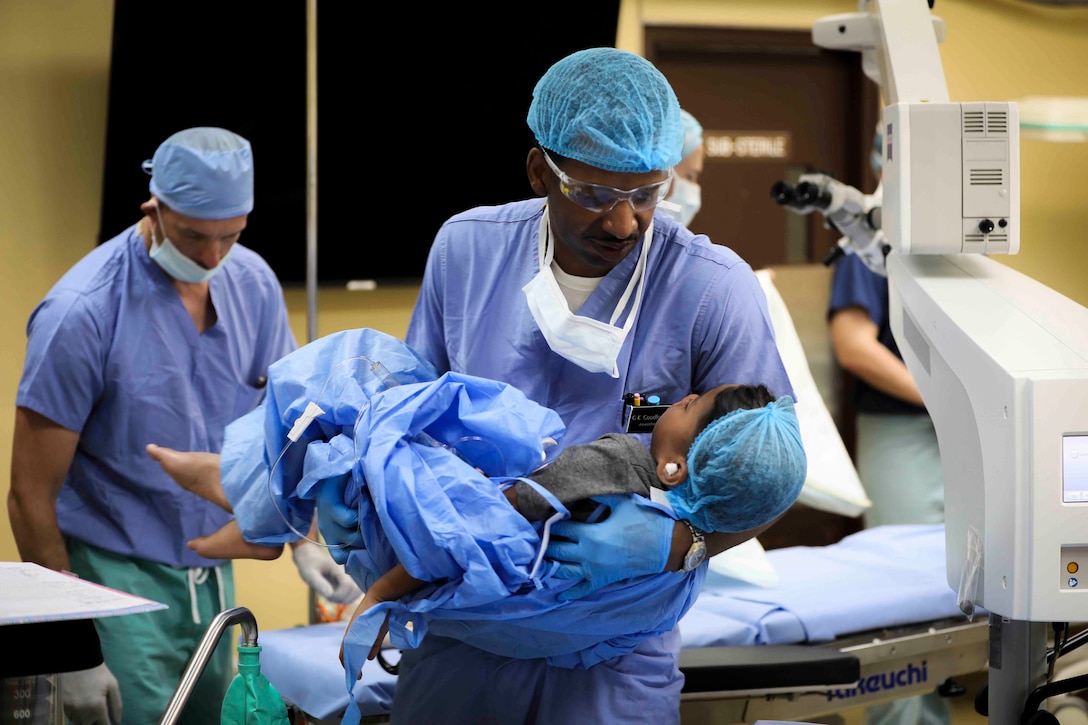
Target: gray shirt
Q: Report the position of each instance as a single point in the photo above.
(614, 463)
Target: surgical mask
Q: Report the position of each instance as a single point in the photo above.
(176, 264)
(688, 195)
(590, 344)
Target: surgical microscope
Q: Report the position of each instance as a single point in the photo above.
(1001, 360)
(854, 215)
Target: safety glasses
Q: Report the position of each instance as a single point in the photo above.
(600, 198)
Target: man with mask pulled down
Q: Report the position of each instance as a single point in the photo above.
(162, 334)
(581, 298)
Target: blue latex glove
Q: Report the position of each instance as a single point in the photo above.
(633, 541)
(336, 520)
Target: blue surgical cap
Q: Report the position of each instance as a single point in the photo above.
(693, 133)
(204, 173)
(610, 109)
(744, 470)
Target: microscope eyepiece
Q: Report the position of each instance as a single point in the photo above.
(782, 193)
(809, 194)
(875, 217)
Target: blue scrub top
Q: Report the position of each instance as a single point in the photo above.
(855, 285)
(703, 322)
(114, 355)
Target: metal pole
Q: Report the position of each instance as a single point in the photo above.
(311, 170)
(1017, 666)
(203, 653)
(311, 199)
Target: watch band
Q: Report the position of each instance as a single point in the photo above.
(697, 552)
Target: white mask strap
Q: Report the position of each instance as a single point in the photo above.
(546, 253)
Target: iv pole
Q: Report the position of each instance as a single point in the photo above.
(311, 170)
(311, 198)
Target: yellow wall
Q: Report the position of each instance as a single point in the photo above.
(54, 62)
(54, 70)
(994, 50)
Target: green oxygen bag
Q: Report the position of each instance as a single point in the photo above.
(251, 699)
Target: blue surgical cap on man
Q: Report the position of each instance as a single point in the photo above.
(744, 470)
(204, 173)
(608, 108)
(693, 133)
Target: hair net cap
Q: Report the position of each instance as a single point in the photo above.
(744, 470)
(693, 133)
(204, 173)
(608, 108)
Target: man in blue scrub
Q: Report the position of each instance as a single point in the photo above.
(582, 298)
(162, 334)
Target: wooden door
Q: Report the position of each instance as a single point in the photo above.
(774, 106)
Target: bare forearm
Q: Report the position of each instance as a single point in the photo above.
(393, 585)
(42, 452)
(390, 586)
(716, 543)
(854, 338)
(882, 370)
(37, 534)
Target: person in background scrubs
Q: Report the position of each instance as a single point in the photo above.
(163, 333)
(580, 297)
(897, 457)
(686, 193)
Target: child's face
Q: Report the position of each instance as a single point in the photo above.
(676, 430)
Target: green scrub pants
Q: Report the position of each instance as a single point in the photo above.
(899, 464)
(148, 652)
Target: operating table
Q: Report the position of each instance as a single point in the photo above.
(866, 620)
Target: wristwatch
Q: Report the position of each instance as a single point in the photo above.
(697, 553)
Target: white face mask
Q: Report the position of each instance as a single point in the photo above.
(588, 343)
(176, 264)
(688, 196)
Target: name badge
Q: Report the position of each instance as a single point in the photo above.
(641, 418)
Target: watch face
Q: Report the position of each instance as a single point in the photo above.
(694, 558)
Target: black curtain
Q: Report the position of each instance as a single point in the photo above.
(421, 114)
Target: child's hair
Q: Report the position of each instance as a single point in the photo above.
(746, 467)
(736, 397)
